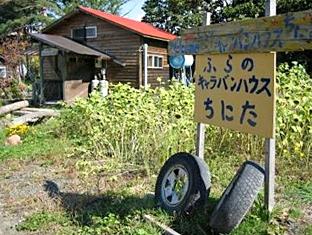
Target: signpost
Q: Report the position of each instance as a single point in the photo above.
(236, 92)
(235, 81)
(269, 144)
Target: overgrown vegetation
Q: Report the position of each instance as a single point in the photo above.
(140, 126)
(124, 139)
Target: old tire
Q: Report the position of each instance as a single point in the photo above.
(237, 199)
(176, 197)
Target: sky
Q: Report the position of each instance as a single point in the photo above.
(133, 8)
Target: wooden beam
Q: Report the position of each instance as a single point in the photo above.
(41, 59)
(12, 107)
(287, 32)
(164, 227)
(34, 116)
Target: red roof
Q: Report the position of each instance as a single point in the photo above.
(141, 28)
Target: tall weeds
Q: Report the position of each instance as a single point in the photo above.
(144, 127)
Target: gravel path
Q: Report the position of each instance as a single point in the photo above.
(21, 191)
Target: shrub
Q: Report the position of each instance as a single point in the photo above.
(139, 126)
(294, 111)
(144, 127)
(20, 130)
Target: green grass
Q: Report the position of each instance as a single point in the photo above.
(121, 210)
(302, 192)
(41, 141)
(42, 220)
(308, 230)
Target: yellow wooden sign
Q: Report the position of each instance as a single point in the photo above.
(237, 91)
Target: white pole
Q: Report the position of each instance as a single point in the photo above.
(145, 48)
(269, 146)
(200, 137)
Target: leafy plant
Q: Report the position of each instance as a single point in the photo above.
(20, 130)
(136, 126)
(144, 127)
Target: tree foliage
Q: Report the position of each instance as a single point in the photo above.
(174, 15)
(16, 15)
(112, 6)
(240, 9)
(29, 14)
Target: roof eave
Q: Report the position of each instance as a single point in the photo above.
(157, 38)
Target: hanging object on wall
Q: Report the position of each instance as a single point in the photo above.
(182, 68)
(188, 60)
(177, 62)
(98, 63)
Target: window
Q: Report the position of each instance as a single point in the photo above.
(3, 71)
(155, 61)
(83, 33)
(91, 32)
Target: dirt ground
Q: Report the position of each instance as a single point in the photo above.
(29, 186)
(22, 190)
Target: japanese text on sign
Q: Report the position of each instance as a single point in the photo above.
(236, 91)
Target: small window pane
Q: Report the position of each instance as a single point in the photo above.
(79, 33)
(91, 32)
(160, 62)
(150, 61)
(156, 62)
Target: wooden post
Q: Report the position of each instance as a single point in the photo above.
(64, 74)
(269, 146)
(41, 58)
(200, 138)
(140, 66)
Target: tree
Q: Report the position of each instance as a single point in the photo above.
(174, 15)
(112, 6)
(29, 15)
(25, 14)
(240, 9)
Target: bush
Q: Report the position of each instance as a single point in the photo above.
(12, 89)
(145, 127)
(294, 111)
(141, 127)
(20, 130)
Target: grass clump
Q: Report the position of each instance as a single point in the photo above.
(39, 141)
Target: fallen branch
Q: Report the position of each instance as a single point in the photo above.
(167, 229)
(21, 112)
(12, 107)
(34, 116)
(28, 109)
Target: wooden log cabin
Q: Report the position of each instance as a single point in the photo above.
(82, 43)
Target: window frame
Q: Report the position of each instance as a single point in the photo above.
(85, 28)
(153, 61)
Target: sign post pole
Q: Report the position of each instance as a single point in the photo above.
(269, 146)
(200, 135)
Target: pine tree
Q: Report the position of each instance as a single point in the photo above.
(25, 14)
(16, 15)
